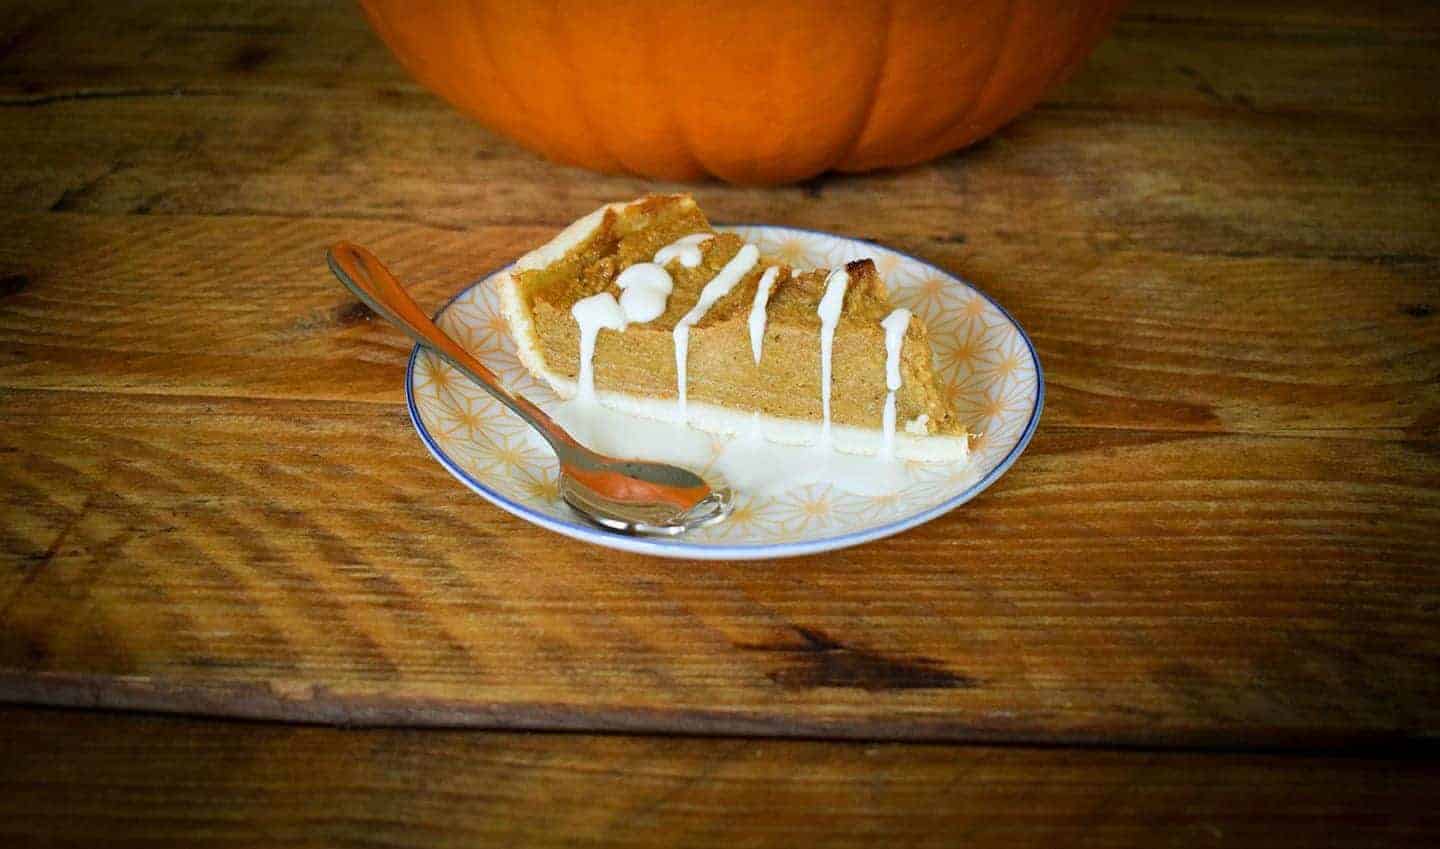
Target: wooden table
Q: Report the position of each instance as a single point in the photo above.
(1201, 610)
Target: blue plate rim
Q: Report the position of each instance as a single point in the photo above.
(679, 548)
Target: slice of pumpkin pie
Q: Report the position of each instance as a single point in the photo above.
(645, 308)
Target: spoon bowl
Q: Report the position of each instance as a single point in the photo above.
(621, 495)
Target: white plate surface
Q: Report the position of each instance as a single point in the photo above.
(986, 363)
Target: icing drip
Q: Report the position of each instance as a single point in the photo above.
(895, 324)
(647, 288)
(591, 314)
(755, 434)
(685, 248)
(681, 333)
(887, 419)
(718, 287)
(830, 305)
(757, 310)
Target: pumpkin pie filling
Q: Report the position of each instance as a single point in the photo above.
(638, 369)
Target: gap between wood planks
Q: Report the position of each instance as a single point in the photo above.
(86, 693)
(1382, 258)
(1422, 749)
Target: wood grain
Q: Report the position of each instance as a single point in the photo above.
(331, 567)
(143, 781)
(1243, 133)
(244, 306)
(1222, 236)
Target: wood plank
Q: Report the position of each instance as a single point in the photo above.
(1257, 185)
(1222, 236)
(1379, 20)
(1160, 54)
(167, 44)
(246, 307)
(81, 779)
(1144, 586)
(1287, 150)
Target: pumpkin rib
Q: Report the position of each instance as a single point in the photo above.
(994, 119)
(577, 149)
(872, 94)
(401, 39)
(777, 101)
(937, 141)
(988, 121)
(508, 117)
(950, 52)
(1080, 48)
(696, 169)
(691, 151)
(582, 105)
(1077, 45)
(710, 167)
(537, 142)
(979, 97)
(687, 145)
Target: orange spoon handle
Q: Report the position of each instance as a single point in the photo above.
(364, 274)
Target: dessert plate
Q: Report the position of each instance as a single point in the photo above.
(986, 361)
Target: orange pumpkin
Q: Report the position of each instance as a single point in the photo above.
(751, 91)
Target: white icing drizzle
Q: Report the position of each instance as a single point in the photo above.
(721, 284)
(647, 288)
(591, 314)
(895, 324)
(718, 287)
(887, 448)
(755, 434)
(681, 334)
(757, 310)
(830, 305)
(748, 460)
(686, 248)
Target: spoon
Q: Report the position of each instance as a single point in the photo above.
(627, 496)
